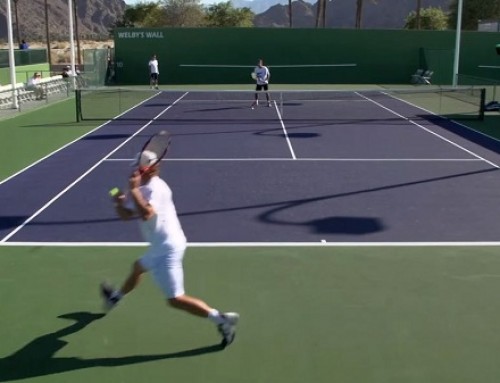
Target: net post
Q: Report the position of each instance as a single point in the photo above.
(281, 103)
(78, 105)
(119, 101)
(482, 104)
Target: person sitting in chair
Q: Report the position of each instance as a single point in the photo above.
(34, 85)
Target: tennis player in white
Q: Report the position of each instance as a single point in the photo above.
(153, 72)
(150, 198)
(262, 76)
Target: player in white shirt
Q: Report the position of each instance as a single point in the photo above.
(262, 76)
(153, 72)
(150, 198)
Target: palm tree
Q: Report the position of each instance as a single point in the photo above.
(359, 13)
(18, 35)
(290, 12)
(320, 13)
(77, 33)
(47, 32)
(419, 7)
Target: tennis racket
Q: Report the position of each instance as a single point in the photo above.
(153, 150)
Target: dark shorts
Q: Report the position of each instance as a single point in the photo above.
(154, 76)
(262, 87)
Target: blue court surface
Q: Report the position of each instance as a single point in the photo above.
(370, 168)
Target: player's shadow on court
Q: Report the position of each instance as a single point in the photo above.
(37, 358)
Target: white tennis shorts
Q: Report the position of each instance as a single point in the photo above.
(166, 269)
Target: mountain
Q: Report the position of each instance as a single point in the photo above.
(260, 6)
(381, 14)
(94, 18)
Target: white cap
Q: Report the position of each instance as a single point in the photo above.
(144, 159)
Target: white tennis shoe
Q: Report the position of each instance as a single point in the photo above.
(228, 328)
(110, 299)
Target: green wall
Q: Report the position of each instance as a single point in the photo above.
(24, 72)
(382, 56)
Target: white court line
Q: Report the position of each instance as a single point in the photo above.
(274, 92)
(75, 140)
(270, 66)
(430, 131)
(39, 211)
(292, 101)
(306, 159)
(444, 118)
(284, 130)
(259, 244)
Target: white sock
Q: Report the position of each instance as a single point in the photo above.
(215, 316)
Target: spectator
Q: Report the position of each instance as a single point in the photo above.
(35, 85)
(23, 45)
(65, 72)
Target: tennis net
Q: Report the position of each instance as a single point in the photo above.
(329, 105)
(490, 85)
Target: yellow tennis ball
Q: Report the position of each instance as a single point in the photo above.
(114, 192)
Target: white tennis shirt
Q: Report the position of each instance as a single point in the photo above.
(153, 66)
(262, 74)
(163, 230)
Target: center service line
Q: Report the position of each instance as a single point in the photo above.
(284, 131)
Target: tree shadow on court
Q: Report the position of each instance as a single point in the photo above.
(348, 225)
(218, 109)
(106, 137)
(51, 125)
(300, 135)
(37, 358)
(156, 105)
(11, 221)
(340, 225)
(75, 222)
(344, 225)
(461, 129)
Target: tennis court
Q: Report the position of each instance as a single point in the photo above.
(355, 232)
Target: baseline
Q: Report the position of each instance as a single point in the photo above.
(260, 244)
